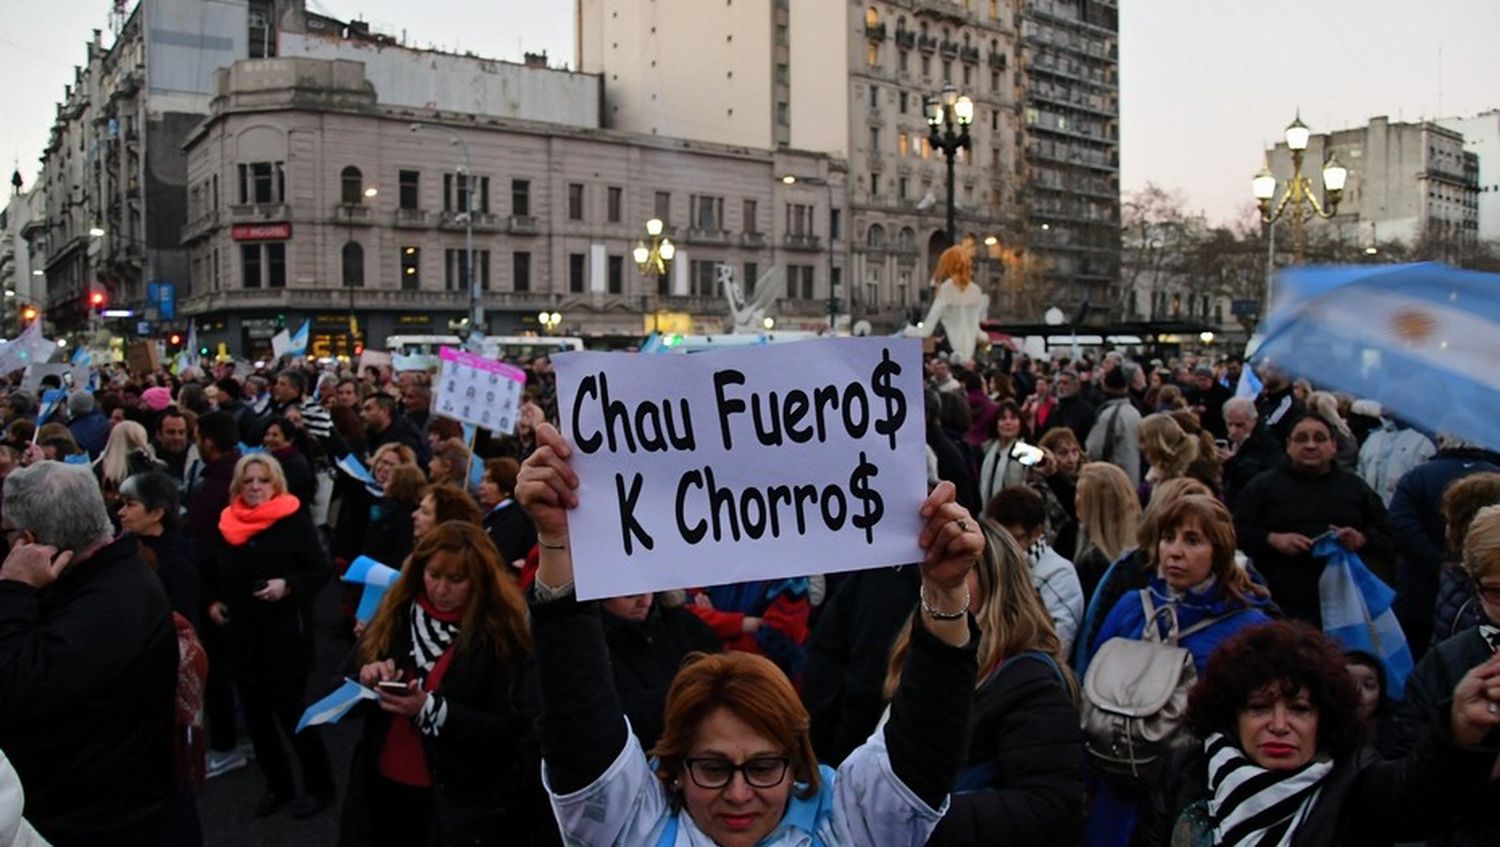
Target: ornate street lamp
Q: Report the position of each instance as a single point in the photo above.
(1298, 195)
(654, 260)
(948, 117)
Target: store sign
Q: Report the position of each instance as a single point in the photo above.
(261, 232)
(414, 320)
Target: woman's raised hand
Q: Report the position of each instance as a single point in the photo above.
(1476, 704)
(547, 487)
(950, 538)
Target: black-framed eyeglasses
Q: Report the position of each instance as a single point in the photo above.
(761, 772)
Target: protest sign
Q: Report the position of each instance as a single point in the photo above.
(374, 359)
(70, 374)
(478, 391)
(141, 356)
(760, 462)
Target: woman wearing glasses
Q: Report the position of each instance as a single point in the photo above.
(734, 766)
(1284, 510)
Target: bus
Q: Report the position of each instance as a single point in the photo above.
(501, 347)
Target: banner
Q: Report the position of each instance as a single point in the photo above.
(478, 391)
(753, 463)
(335, 705)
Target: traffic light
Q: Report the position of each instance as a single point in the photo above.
(203, 351)
(175, 339)
(28, 314)
(97, 300)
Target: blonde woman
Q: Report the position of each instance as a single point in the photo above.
(1022, 781)
(128, 452)
(1167, 449)
(1108, 511)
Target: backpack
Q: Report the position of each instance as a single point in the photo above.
(1135, 696)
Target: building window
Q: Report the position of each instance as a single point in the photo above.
(835, 224)
(575, 273)
(708, 213)
(262, 182)
(411, 268)
(875, 236)
(704, 277)
(783, 73)
(926, 65)
(901, 102)
(520, 198)
(409, 182)
(905, 60)
(616, 280)
(947, 71)
(351, 186)
(456, 269)
(799, 281)
(663, 207)
(872, 54)
(968, 74)
(799, 219)
(264, 264)
(874, 139)
(456, 193)
(874, 185)
(874, 97)
(260, 32)
(750, 224)
(783, 114)
(752, 276)
(903, 144)
(520, 263)
(901, 188)
(783, 36)
(614, 210)
(575, 201)
(354, 265)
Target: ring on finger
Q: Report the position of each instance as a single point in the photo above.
(963, 525)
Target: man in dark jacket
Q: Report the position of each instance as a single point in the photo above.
(385, 426)
(1251, 449)
(88, 665)
(1208, 398)
(89, 426)
(1072, 411)
(647, 642)
(1278, 407)
(1417, 520)
(232, 403)
(848, 656)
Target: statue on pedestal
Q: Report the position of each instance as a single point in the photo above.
(958, 303)
(749, 317)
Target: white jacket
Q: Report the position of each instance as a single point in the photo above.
(1057, 581)
(1390, 452)
(862, 805)
(14, 830)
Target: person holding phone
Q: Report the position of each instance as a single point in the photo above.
(260, 582)
(440, 760)
(1004, 464)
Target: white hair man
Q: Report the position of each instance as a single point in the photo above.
(88, 664)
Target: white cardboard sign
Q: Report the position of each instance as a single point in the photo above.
(760, 462)
(478, 391)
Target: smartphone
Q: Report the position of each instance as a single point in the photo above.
(1026, 454)
(1221, 443)
(393, 686)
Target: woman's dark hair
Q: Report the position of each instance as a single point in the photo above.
(1333, 429)
(294, 436)
(1017, 505)
(1009, 406)
(1293, 657)
(1365, 660)
(452, 503)
(154, 490)
(503, 473)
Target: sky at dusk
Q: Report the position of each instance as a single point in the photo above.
(1205, 85)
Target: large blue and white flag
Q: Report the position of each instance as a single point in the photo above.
(51, 399)
(1249, 384)
(28, 348)
(1418, 338)
(335, 705)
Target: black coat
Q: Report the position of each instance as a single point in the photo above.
(1259, 453)
(1364, 802)
(1026, 729)
(1429, 695)
(646, 656)
(301, 482)
(512, 532)
(1284, 499)
(1075, 413)
(389, 538)
(484, 763)
(848, 657)
(270, 640)
(177, 568)
(954, 465)
(88, 679)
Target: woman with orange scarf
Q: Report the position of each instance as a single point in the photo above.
(260, 584)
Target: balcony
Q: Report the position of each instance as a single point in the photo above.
(969, 54)
(998, 61)
(906, 39)
(875, 32)
(199, 227)
(949, 49)
(753, 239)
(800, 241)
(927, 43)
(706, 236)
(410, 219)
(353, 214)
(257, 212)
(483, 221)
(940, 9)
(521, 225)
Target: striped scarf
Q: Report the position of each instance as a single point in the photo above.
(431, 636)
(1254, 806)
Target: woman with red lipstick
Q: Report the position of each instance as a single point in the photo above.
(1198, 582)
(735, 766)
(1282, 759)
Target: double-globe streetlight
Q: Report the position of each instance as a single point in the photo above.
(948, 117)
(654, 259)
(1298, 196)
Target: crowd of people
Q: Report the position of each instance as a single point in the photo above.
(1116, 635)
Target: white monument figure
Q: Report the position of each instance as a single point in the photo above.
(958, 303)
(749, 318)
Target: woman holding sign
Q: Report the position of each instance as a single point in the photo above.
(439, 762)
(735, 764)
